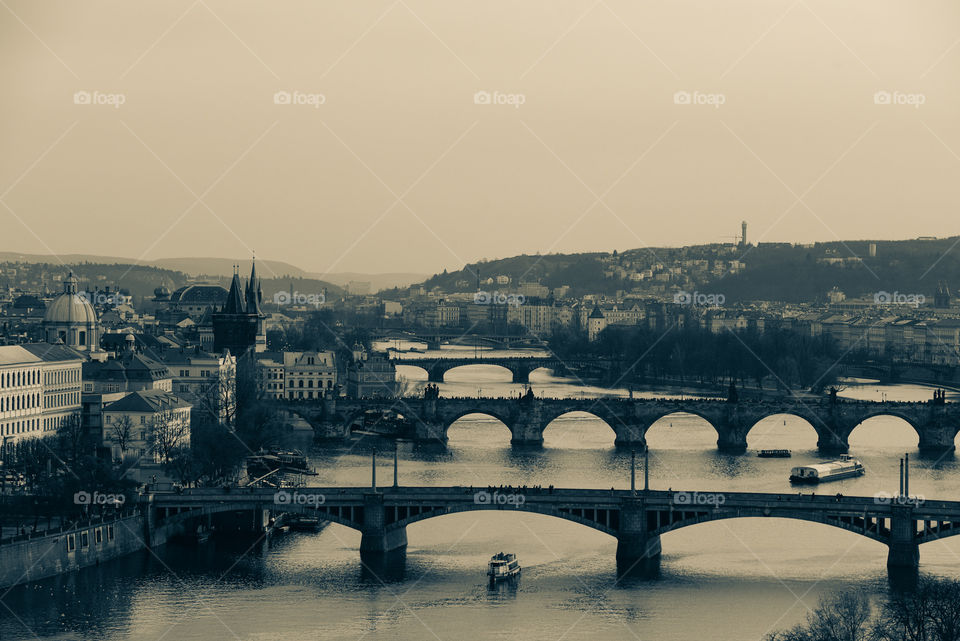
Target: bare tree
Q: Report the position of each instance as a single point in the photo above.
(168, 429)
(121, 432)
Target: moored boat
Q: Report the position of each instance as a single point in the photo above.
(845, 467)
(774, 454)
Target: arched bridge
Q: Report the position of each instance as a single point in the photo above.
(636, 519)
(937, 424)
(519, 366)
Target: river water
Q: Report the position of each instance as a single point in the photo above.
(728, 580)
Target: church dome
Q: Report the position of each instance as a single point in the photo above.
(70, 307)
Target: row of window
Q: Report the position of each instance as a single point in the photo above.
(204, 373)
(25, 426)
(62, 376)
(19, 378)
(19, 402)
(310, 383)
(85, 538)
(299, 394)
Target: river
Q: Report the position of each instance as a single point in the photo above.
(727, 580)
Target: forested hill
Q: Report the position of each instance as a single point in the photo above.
(770, 271)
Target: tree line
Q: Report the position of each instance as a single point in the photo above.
(778, 357)
(931, 612)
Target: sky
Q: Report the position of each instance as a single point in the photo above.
(418, 135)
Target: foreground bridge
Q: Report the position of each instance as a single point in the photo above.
(937, 424)
(636, 518)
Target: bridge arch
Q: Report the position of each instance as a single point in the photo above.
(876, 529)
(775, 432)
(896, 436)
(659, 427)
(551, 431)
(450, 421)
(604, 520)
(465, 368)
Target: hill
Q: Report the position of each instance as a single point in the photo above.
(769, 271)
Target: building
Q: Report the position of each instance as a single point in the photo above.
(39, 389)
(297, 375)
(129, 372)
(373, 377)
(147, 424)
(309, 374)
(71, 320)
(207, 381)
(194, 299)
(596, 323)
(238, 326)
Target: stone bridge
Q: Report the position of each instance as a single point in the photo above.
(519, 366)
(936, 424)
(636, 518)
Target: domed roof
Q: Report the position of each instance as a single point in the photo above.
(200, 294)
(70, 307)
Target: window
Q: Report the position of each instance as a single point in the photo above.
(84, 539)
(143, 419)
(71, 542)
(98, 535)
(109, 532)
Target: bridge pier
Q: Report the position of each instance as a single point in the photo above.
(377, 541)
(830, 441)
(430, 432)
(937, 439)
(638, 551)
(632, 436)
(731, 441)
(903, 554)
(527, 429)
(435, 374)
(521, 375)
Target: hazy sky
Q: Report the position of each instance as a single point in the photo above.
(401, 170)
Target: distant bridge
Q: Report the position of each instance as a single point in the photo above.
(520, 366)
(434, 338)
(636, 519)
(429, 419)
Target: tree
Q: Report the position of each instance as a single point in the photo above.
(167, 430)
(840, 617)
(121, 432)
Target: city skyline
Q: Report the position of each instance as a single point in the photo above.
(415, 138)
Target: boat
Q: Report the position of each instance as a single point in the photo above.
(303, 524)
(774, 454)
(503, 566)
(265, 462)
(845, 467)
